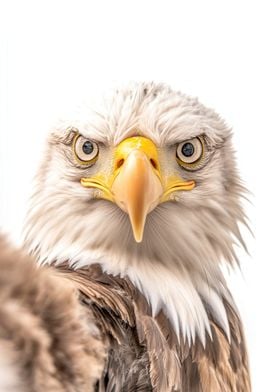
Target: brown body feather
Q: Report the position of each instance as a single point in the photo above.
(145, 353)
(48, 342)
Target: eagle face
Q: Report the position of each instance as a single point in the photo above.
(146, 186)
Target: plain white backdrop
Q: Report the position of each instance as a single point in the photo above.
(57, 53)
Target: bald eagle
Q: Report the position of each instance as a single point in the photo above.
(136, 206)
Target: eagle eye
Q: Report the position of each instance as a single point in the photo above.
(85, 150)
(190, 152)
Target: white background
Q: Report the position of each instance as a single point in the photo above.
(56, 53)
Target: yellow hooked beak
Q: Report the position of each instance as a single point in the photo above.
(136, 184)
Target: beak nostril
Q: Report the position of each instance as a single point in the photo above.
(154, 164)
(119, 163)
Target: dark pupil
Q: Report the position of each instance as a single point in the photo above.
(188, 149)
(87, 147)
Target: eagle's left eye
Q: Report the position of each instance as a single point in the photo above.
(190, 152)
(85, 150)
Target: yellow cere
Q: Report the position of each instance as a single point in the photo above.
(137, 143)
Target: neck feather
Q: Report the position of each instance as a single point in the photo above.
(185, 298)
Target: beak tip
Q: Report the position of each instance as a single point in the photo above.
(138, 239)
(138, 234)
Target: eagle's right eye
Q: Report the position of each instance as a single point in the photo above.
(85, 150)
